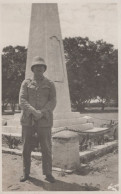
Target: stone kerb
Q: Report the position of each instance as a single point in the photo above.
(66, 150)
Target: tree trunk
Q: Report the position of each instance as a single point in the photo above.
(13, 107)
(103, 106)
(4, 105)
(3, 108)
(81, 107)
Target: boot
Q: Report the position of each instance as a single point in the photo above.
(24, 178)
(50, 178)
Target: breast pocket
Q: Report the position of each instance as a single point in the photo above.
(31, 90)
(45, 90)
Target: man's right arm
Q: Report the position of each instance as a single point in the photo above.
(23, 99)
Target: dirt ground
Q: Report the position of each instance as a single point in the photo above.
(96, 175)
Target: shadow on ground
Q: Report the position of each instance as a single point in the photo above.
(62, 186)
(83, 171)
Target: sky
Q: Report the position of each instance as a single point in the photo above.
(94, 20)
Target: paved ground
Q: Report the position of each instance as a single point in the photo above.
(97, 175)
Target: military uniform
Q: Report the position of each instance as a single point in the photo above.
(37, 96)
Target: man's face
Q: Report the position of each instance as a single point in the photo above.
(38, 70)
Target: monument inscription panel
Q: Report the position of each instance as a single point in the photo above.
(55, 59)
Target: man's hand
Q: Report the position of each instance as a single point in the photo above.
(38, 115)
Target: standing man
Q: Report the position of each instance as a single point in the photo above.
(37, 100)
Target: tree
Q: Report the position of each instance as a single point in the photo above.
(80, 61)
(106, 76)
(90, 67)
(13, 72)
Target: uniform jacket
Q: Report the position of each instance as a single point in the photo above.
(34, 96)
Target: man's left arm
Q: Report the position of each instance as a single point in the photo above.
(49, 107)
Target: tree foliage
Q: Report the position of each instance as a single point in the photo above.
(92, 69)
(13, 72)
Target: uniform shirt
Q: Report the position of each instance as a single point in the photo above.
(37, 96)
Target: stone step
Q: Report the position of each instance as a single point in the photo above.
(58, 115)
(66, 115)
(17, 130)
(69, 122)
(75, 128)
(11, 129)
(96, 130)
(57, 122)
(98, 151)
(18, 135)
(13, 122)
(71, 115)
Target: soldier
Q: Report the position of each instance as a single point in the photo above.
(37, 100)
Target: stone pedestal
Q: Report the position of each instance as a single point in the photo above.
(66, 150)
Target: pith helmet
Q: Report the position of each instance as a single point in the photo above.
(38, 61)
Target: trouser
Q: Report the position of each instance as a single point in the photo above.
(44, 137)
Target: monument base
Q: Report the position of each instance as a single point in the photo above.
(62, 121)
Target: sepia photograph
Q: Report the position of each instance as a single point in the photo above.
(59, 96)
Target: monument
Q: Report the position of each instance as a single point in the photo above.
(45, 40)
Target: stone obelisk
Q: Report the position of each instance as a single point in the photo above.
(45, 40)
